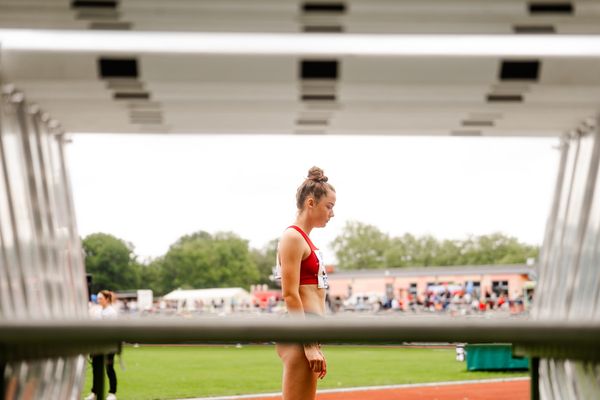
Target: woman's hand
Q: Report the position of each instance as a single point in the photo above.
(316, 359)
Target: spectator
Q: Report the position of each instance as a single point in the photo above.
(105, 299)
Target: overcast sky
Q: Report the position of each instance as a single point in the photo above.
(151, 189)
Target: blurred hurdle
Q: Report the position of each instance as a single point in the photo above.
(30, 340)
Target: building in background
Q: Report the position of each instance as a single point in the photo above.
(479, 280)
(460, 289)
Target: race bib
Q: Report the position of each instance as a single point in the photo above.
(322, 281)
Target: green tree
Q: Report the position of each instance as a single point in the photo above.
(496, 248)
(449, 253)
(364, 246)
(396, 255)
(409, 250)
(201, 260)
(361, 246)
(111, 262)
(424, 251)
(150, 276)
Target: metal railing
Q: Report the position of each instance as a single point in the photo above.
(26, 339)
(556, 339)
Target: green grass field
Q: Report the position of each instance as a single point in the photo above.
(172, 372)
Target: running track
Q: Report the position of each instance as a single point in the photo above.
(511, 389)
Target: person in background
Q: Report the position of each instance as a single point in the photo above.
(105, 298)
(303, 284)
(94, 309)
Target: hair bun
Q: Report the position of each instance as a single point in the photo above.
(316, 174)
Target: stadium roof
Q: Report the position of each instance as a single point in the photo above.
(432, 271)
(488, 92)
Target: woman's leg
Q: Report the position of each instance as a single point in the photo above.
(97, 369)
(299, 382)
(110, 372)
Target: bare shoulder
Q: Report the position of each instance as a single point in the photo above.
(291, 238)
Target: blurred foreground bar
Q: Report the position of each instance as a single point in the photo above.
(556, 339)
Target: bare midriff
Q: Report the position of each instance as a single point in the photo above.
(313, 299)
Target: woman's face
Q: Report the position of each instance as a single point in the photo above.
(102, 300)
(323, 210)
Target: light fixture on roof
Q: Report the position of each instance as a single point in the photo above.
(303, 44)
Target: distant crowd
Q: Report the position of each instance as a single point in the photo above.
(455, 303)
(450, 302)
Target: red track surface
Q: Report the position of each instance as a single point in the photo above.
(512, 390)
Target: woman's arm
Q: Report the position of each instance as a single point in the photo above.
(290, 257)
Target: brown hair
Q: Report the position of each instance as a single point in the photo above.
(314, 185)
(108, 295)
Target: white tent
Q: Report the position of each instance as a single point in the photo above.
(190, 300)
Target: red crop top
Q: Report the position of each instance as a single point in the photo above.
(309, 267)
